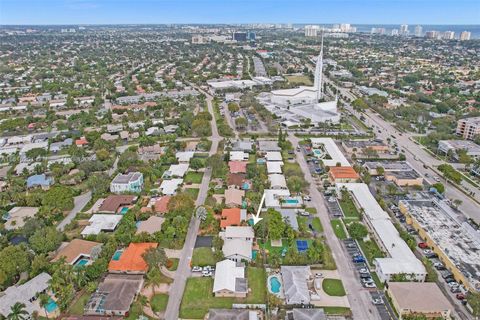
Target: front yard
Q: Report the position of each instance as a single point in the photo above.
(193, 177)
(333, 287)
(203, 257)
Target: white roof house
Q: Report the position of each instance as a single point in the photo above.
(237, 249)
(184, 156)
(295, 284)
(102, 222)
(274, 167)
(329, 146)
(232, 232)
(238, 156)
(25, 293)
(169, 187)
(400, 260)
(177, 170)
(273, 156)
(229, 276)
(272, 197)
(277, 181)
(34, 145)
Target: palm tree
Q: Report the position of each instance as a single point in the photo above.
(43, 300)
(18, 312)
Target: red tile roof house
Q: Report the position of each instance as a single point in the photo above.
(161, 205)
(238, 166)
(81, 142)
(131, 259)
(232, 217)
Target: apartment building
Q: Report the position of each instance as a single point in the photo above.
(468, 128)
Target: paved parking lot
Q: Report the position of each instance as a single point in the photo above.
(384, 309)
(333, 209)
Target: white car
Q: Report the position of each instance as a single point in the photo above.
(196, 269)
(378, 300)
(207, 274)
(369, 285)
(427, 251)
(453, 284)
(318, 275)
(307, 198)
(331, 199)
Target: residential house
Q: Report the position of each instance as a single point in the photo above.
(184, 156)
(78, 251)
(101, 222)
(161, 204)
(235, 180)
(274, 167)
(237, 166)
(233, 314)
(176, 171)
(274, 156)
(130, 182)
(131, 259)
(238, 156)
(268, 146)
(151, 225)
(169, 187)
(242, 145)
(113, 203)
(230, 280)
(237, 243)
(232, 217)
(16, 217)
(306, 314)
(234, 197)
(277, 181)
(39, 180)
(295, 284)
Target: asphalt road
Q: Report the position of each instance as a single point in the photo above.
(183, 270)
(79, 202)
(358, 297)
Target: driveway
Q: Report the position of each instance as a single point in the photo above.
(79, 202)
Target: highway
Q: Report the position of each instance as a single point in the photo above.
(183, 270)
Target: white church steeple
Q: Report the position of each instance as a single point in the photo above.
(318, 73)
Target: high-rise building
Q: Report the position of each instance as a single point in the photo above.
(377, 31)
(418, 31)
(311, 30)
(404, 29)
(317, 82)
(240, 36)
(251, 36)
(394, 32)
(432, 34)
(465, 35)
(449, 35)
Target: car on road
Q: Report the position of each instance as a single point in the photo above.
(436, 179)
(377, 301)
(197, 269)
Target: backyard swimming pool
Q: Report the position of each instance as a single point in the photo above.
(124, 210)
(291, 201)
(81, 262)
(117, 255)
(51, 306)
(275, 284)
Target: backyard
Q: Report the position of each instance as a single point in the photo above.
(193, 177)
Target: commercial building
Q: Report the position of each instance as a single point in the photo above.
(390, 166)
(451, 147)
(342, 175)
(230, 280)
(361, 146)
(404, 29)
(419, 298)
(130, 182)
(455, 241)
(468, 128)
(404, 178)
(418, 31)
(372, 91)
(400, 259)
(449, 35)
(326, 150)
(240, 36)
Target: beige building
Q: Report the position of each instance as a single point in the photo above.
(404, 178)
(468, 128)
(425, 298)
(230, 280)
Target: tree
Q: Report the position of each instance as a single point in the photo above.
(155, 257)
(36, 153)
(201, 128)
(357, 230)
(181, 204)
(13, 261)
(18, 312)
(63, 283)
(196, 164)
(296, 184)
(59, 197)
(275, 225)
(380, 170)
(44, 299)
(45, 240)
(233, 107)
(439, 187)
(219, 168)
(473, 299)
(457, 203)
(241, 122)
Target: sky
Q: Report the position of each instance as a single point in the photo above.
(32, 12)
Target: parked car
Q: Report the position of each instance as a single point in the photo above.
(363, 270)
(196, 269)
(207, 274)
(423, 245)
(453, 284)
(460, 296)
(369, 285)
(431, 255)
(307, 198)
(318, 275)
(427, 251)
(378, 300)
(365, 275)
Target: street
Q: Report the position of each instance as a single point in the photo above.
(183, 270)
(79, 202)
(358, 297)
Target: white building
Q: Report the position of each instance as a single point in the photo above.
(418, 31)
(465, 35)
(169, 187)
(230, 280)
(326, 150)
(102, 222)
(400, 259)
(312, 30)
(237, 243)
(130, 182)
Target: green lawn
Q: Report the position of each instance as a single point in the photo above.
(174, 264)
(333, 287)
(198, 299)
(337, 310)
(193, 192)
(77, 307)
(159, 302)
(371, 250)
(338, 228)
(375, 278)
(311, 210)
(317, 225)
(328, 261)
(193, 177)
(303, 79)
(257, 283)
(203, 257)
(348, 207)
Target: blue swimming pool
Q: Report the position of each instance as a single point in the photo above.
(124, 210)
(81, 262)
(291, 201)
(51, 306)
(117, 255)
(254, 254)
(275, 284)
(317, 152)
